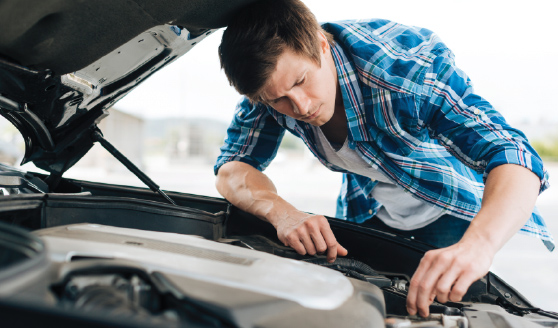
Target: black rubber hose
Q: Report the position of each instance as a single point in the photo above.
(346, 264)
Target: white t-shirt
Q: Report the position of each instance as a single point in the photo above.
(399, 209)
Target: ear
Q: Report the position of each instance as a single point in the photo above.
(324, 45)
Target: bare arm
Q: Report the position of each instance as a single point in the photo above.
(253, 192)
(509, 198)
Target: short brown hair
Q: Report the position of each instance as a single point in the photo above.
(258, 34)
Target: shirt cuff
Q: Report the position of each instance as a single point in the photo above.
(527, 160)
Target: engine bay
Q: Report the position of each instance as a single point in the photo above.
(102, 255)
(148, 278)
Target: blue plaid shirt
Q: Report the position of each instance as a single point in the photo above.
(411, 114)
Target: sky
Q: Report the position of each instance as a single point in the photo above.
(508, 49)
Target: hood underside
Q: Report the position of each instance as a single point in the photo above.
(64, 63)
(67, 35)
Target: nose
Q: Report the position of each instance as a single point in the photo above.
(300, 103)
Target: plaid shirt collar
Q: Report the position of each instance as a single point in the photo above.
(352, 96)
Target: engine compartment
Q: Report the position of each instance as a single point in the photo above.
(106, 255)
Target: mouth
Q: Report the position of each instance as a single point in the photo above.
(313, 115)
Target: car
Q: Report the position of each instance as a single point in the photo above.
(93, 254)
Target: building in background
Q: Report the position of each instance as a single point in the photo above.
(125, 132)
(184, 141)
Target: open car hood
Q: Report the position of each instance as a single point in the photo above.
(117, 256)
(63, 63)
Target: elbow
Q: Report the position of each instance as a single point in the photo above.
(227, 176)
(221, 178)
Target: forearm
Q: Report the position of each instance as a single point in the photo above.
(509, 198)
(252, 191)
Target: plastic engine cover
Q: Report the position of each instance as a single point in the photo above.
(248, 287)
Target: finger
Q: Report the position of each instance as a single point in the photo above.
(330, 241)
(423, 267)
(319, 242)
(294, 242)
(341, 251)
(461, 286)
(331, 254)
(308, 243)
(426, 291)
(316, 235)
(445, 283)
(421, 291)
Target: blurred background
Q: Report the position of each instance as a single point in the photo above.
(173, 124)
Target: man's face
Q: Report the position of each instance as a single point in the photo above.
(302, 89)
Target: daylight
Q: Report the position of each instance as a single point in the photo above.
(172, 125)
(507, 48)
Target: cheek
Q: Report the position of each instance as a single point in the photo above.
(284, 107)
(328, 81)
(328, 87)
(280, 108)
(323, 88)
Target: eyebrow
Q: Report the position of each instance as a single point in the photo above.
(294, 84)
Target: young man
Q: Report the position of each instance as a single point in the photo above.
(384, 104)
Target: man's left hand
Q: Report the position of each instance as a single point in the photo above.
(446, 274)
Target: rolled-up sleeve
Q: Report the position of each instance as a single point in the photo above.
(253, 137)
(469, 126)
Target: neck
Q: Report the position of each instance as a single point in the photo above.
(335, 129)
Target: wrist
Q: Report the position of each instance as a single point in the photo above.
(278, 211)
(476, 237)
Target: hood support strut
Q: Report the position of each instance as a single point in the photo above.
(97, 136)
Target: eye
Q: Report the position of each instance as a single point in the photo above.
(301, 81)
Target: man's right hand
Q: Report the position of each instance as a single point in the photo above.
(309, 234)
(253, 192)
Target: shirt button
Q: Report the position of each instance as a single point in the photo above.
(370, 212)
(477, 111)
